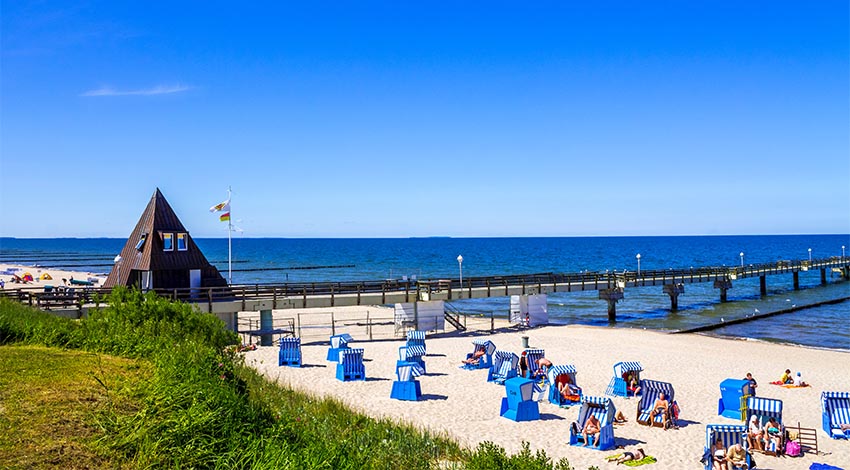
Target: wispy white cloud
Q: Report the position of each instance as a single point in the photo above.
(157, 90)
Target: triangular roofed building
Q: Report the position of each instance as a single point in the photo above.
(160, 254)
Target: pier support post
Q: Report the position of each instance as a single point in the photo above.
(612, 296)
(673, 290)
(763, 285)
(796, 280)
(723, 285)
(266, 325)
(823, 276)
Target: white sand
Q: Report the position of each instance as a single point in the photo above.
(38, 284)
(462, 404)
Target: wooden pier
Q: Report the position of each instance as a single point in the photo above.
(610, 285)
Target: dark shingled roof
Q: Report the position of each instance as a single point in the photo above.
(157, 219)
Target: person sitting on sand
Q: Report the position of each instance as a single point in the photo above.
(476, 356)
(620, 418)
(737, 456)
(661, 406)
(718, 456)
(798, 381)
(786, 377)
(638, 454)
(591, 428)
(754, 434)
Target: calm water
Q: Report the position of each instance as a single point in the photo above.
(425, 258)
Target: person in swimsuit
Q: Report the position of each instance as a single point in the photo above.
(591, 428)
(718, 456)
(639, 454)
(661, 407)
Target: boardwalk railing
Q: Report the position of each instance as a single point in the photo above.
(422, 289)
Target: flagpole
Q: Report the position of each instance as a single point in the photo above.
(229, 243)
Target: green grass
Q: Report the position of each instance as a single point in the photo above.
(50, 400)
(198, 405)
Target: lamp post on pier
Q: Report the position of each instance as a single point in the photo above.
(742, 258)
(810, 256)
(638, 260)
(118, 260)
(842, 253)
(460, 268)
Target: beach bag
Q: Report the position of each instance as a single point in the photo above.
(793, 449)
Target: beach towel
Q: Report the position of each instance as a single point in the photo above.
(637, 463)
(789, 385)
(823, 466)
(613, 457)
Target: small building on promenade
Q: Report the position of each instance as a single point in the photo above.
(160, 254)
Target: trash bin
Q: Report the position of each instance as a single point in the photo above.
(525, 342)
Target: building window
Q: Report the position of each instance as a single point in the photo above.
(181, 241)
(141, 242)
(167, 242)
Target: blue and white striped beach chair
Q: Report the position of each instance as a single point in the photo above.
(619, 386)
(338, 343)
(836, 411)
(531, 358)
(290, 352)
(729, 435)
(416, 338)
(652, 389)
(504, 367)
(555, 376)
(413, 354)
(485, 361)
(603, 409)
(350, 365)
(766, 408)
(406, 387)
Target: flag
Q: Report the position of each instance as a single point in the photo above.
(224, 206)
(225, 217)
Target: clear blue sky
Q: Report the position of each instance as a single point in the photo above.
(361, 119)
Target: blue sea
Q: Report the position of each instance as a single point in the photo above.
(424, 258)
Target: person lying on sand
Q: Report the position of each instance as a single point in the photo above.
(636, 455)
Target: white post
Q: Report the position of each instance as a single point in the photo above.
(229, 242)
(638, 259)
(810, 256)
(742, 259)
(460, 267)
(842, 253)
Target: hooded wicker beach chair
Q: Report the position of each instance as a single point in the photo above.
(338, 343)
(836, 411)
(416, 338)
(619, 386)
(729, 435)
(485, 349)
(406, 387)
(290, 352)
(603, 409)
(531, 358)
(504, 367)
(565, 374)
(766, 408)
(415, 354)
(652, 390)
(350, 365)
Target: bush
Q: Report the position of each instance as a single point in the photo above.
(22, 324)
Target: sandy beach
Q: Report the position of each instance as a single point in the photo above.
(37, 272)
(463, 405)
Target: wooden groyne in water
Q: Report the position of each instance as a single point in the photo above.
(759, 316)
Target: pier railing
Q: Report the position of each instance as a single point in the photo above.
(494, 285)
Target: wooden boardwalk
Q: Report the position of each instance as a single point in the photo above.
(610, 285)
